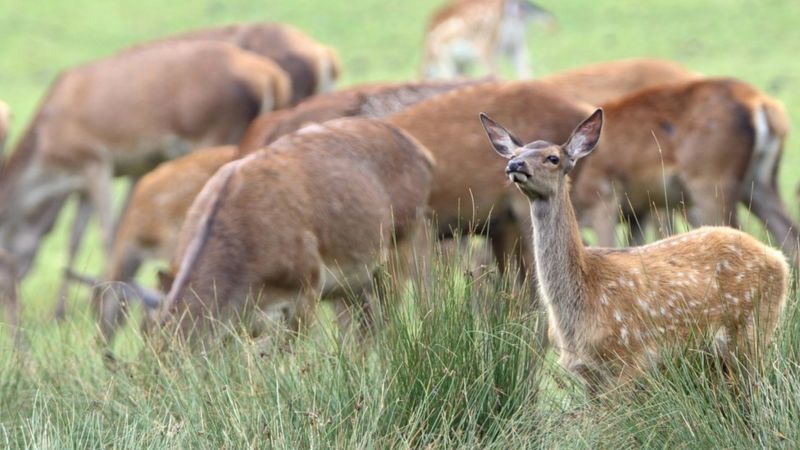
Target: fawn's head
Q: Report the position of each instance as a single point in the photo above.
(539, 168)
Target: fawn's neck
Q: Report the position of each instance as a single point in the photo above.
(560, 260)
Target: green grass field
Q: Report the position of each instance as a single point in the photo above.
(457, 367)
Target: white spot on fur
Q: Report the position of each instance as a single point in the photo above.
(623, 333)
(731, 298)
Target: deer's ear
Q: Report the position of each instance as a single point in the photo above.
(502, 140)
(585, 137)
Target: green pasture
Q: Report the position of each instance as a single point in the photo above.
(456, 367)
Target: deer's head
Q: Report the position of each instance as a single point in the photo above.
(539, 168)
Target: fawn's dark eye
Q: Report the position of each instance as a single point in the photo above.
(552, 159)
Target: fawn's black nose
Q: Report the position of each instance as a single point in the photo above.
(515, 166)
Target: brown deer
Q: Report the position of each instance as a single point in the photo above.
(312, 67)
(370, 100)
(609, 80)
(122, 116)
(465, 33)
(5, 125)
(713, 142)
(157, 207)
(465, 196)
(610, 311)
(312, 216)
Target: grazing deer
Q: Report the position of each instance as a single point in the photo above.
(5, 125)
(714, 142)
(606, 81)
(312, 67)
(478, 32)
(611, 310)
(312, 216)
(370, 100)
(122, 116)
(151, 223)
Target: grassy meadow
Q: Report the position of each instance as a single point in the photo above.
(457, 364)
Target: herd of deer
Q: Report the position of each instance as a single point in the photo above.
(268, 194)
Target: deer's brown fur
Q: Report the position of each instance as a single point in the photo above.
(121, 116)
(370, 100)
(611, 312)
(715, 142)
(606, 81)
(312, 66)
(331, 200)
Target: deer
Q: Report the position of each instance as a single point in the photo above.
(312, 67)
(121, 116)
(706, 144)
(5, 124)
(333, 201)
(471, 199)
(464, 33)
(151, 223)
(611, 311)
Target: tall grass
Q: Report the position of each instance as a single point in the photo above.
(454, 362)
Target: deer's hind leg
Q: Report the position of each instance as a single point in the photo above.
(713, 201)
(82, 216)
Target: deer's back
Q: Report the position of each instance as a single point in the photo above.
(171, 97)
(297, 53)
(662, 294)
(603, 82)
(371, 100)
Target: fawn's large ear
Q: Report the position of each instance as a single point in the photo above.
(502, 140)
(585, 137)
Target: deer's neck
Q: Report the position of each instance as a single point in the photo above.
(560, 260)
